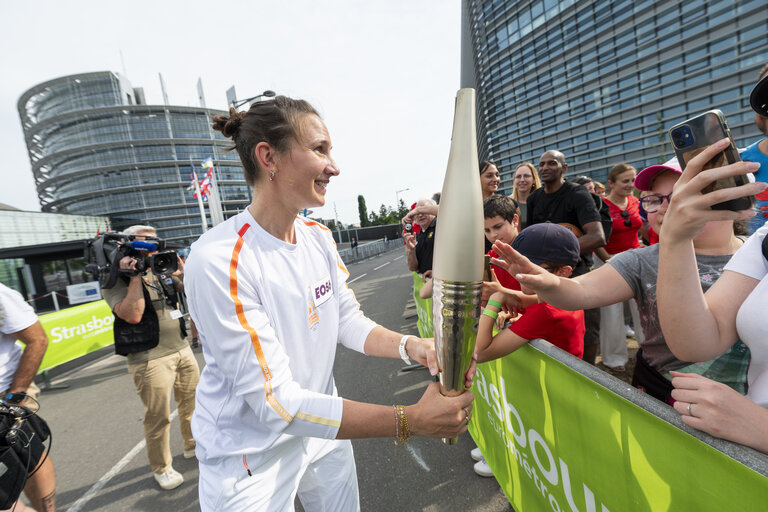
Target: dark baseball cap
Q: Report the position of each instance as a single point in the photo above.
(759, 97)
(548, 242)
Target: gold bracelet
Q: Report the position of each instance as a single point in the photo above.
(397, 425)
(404, 430)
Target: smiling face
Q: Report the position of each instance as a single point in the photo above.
(303, 173)
(624, 184)
(551, 167)
(662, 185)
(489, 180)
(424, 219)
(523, 179)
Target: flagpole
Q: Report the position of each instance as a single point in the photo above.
(214, 201)
(204, 220)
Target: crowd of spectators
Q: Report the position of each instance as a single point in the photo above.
(571, 263)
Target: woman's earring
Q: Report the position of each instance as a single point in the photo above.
(271, 175)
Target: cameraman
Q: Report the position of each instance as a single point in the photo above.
(17, 373)
(159, 359)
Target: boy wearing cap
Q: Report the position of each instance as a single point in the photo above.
(556, 249)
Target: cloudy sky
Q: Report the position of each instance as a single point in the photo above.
(383, 75)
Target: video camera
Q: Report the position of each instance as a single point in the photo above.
(103, 254)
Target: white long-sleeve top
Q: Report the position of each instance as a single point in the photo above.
(269, 315)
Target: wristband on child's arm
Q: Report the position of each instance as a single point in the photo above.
(491, 313)
(494, 303)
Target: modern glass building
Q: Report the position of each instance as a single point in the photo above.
(22, 229)
(603, 80)
(96, 148)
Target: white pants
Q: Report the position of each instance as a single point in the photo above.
(613, 336)
(322, 471)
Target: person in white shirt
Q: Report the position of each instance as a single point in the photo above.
(268, 294)
(700, 326)
(18, 321)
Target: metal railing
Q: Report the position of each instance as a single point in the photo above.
(368, 250)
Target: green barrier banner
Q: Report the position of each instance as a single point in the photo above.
(76, 331)
(423, 308)
(559, 441)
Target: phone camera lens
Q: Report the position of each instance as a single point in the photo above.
(676, 134)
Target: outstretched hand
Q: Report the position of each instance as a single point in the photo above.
(690, 209)
(526, 272)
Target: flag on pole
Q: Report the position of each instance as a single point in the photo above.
(207, 163)
(192, 178)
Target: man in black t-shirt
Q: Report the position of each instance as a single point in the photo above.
(570, 205)
(567, 204)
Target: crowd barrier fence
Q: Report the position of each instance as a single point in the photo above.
(75, 332)
(562, 435)
(368, 250)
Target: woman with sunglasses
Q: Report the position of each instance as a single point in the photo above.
(632, 274)
(625, 212)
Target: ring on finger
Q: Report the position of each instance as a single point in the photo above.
(689, 409)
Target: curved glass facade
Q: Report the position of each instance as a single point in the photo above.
(96, 150)
(603, 80)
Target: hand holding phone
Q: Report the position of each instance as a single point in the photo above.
(693, 136)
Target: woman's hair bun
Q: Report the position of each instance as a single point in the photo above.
(228, 126)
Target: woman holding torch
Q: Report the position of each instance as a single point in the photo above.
(268, 293)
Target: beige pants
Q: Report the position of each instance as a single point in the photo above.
(154, 381)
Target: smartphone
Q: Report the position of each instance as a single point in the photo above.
(693, 136)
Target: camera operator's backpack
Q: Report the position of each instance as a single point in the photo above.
(22, 437)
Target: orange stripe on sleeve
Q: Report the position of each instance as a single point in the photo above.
(250, 330)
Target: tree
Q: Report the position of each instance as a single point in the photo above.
(362, 212)
(402, 210)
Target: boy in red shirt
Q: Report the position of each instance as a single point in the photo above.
(556, 249)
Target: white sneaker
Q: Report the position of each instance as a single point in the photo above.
(189, 454)
(629, 332)
(171, 479)
(483, 469)
(476, 454)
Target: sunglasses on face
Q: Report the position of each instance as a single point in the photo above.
(652, 203)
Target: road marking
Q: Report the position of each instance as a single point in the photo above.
(398, 258)
(109, 475)
(417, 457)
(384, 265)
(358, 277)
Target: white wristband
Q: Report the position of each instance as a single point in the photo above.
(401, 348)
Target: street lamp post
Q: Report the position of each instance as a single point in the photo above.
(397, 197)
(240, 103)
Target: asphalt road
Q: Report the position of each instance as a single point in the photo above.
(98, 448)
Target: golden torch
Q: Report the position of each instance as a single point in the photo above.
(457, 268)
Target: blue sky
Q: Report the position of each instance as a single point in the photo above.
(383, 75)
